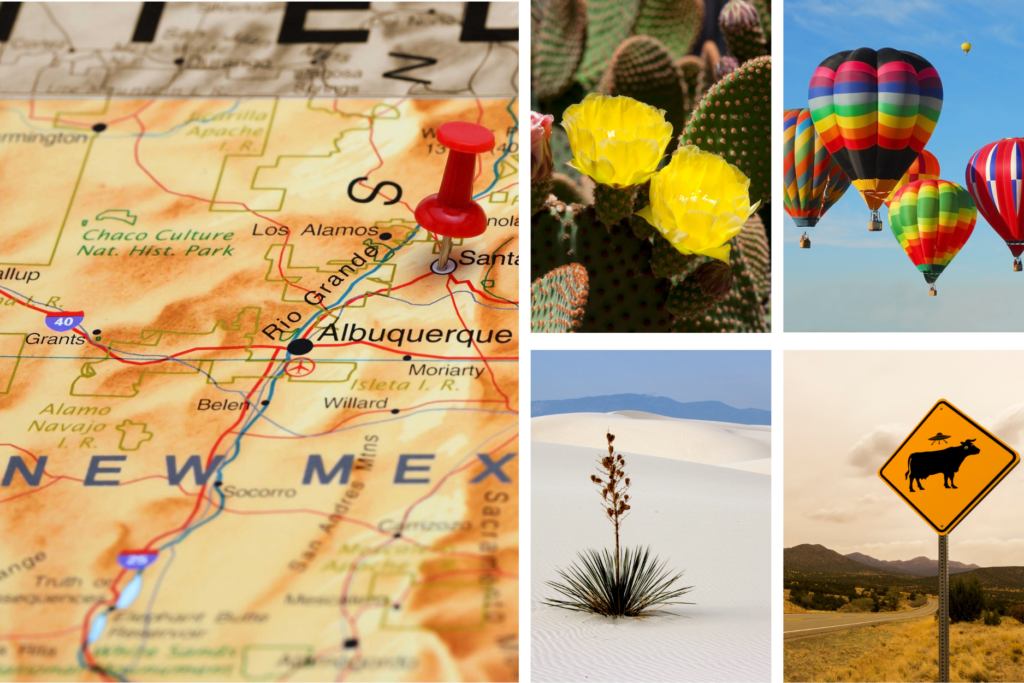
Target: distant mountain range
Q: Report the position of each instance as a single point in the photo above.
(921, 566)
(818, 558)
(715, 411)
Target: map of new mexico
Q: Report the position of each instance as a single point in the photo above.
(189, 490)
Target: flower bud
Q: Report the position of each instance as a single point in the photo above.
(541, 163)
(715, 279)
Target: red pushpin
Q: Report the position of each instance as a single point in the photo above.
(452, 212)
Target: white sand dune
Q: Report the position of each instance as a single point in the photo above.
(713, 443)
(713, 522)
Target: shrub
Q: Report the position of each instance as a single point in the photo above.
(966, 599)
(893, 598)
(918, 601)
(628, 582)
(993, 619)
(858, 605)
(1017, 612)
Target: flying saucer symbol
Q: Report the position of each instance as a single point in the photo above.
(938, 438)
(64, 320)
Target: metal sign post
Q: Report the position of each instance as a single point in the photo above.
(944, 608)
(942, 470)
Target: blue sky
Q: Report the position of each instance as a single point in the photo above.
(741, 379)
(852, 280)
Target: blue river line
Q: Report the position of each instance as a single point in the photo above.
(100, 621)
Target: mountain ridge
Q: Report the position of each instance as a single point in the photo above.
(919, 566)
(714, 411)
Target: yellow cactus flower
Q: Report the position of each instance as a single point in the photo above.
(699, 201)
(617, 141)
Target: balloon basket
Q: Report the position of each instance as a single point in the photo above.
(805, 242)
(875, 226)
(932, 292)
(1016, 266)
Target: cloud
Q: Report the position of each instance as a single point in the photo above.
(870, 452)
(862, 508)
(895, 13)
(1008, 425)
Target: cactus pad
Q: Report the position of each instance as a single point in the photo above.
(558, 300)
(686, 300)
(667, 261)
(733, 120)
(691, 73)
(566, 189)
(710, 54)
(624, 296)
(676, 23)
(561, 34)
(609, 23)
(613, 205)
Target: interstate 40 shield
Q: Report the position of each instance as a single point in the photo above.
(946, 466)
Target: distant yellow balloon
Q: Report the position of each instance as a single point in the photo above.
(966, 47)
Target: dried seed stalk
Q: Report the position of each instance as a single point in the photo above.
(613, 487)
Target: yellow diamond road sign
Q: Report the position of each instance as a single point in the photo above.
(946, 466)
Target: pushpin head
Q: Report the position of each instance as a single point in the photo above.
(452, 212)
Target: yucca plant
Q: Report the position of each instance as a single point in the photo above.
(628, 582)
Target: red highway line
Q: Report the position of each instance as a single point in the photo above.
(494, 380)
(483, 294)
(116, 593)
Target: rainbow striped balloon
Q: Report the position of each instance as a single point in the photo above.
(926, 167)
(875, 111)
(814, 182)
(932, 220)
(994, 178)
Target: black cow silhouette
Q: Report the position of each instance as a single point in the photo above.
(947, 461)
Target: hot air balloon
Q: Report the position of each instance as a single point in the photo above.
(994, 180)
(875, 111)
(925, 167)
(932, 220)
(966, 47)
(814, 182)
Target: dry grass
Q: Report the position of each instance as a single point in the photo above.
(908, 651)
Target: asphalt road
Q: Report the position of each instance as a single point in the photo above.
(817, 623)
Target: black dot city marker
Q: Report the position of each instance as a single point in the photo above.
(351, 643)
(179, 61)
(99, 128)
(394, 411)
(264, 403)
(300, 347)
(218, 484)
(385, 236)
(406, 357)
(96, 334)
(398, 535)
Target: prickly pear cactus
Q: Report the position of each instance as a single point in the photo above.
(734, 121)
(746, 307)
(657, 52)
(610, 23)
(558, 300)
(741, 24)
(561, 31)
(642, 68)
(676, 23)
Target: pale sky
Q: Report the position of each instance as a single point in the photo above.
(847, 411)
